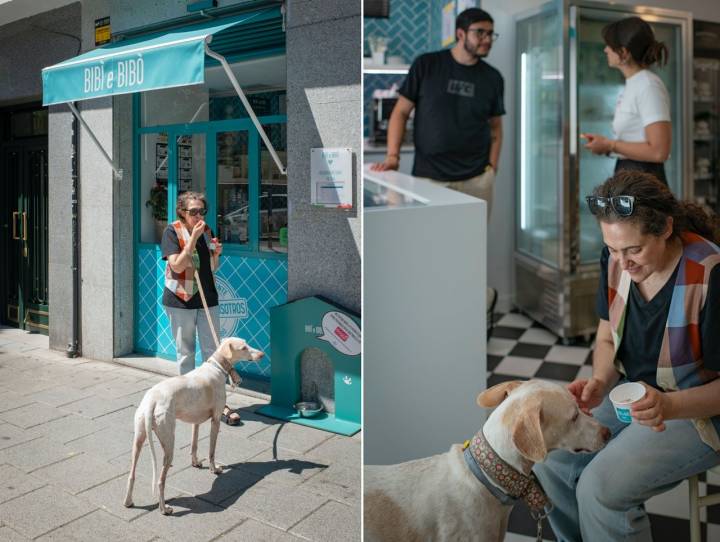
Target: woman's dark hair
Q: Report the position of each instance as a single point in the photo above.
(653, 204)
(470, 16)
(185, 198)
(637, 37)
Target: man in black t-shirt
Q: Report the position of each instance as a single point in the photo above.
(458, 102)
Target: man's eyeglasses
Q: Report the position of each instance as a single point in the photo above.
(482, 34)
(202, 211)
(622, 205)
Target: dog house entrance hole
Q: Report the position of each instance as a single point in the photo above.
(317, 378)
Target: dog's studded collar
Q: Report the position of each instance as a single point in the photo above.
(483, 460)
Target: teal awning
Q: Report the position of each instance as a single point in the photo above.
(171, 59)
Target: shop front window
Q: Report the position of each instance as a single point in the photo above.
(181, 128)
(233, 194)
(273, 193)
(153, 186)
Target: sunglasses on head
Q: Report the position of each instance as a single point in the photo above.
(202, 211)
(622, 205)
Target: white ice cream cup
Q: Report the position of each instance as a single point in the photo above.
(623, 396)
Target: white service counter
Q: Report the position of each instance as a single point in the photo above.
(424, 358)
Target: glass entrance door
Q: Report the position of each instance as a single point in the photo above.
(24, 226)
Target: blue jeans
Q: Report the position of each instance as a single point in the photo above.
(600, 497)
(184, 323)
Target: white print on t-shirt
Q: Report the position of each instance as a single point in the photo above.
(642, 102)
(461, 88)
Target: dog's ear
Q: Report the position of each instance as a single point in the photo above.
(225, 349)
(527, 432)
(494, 396)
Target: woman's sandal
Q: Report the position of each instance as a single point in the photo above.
(229, 416)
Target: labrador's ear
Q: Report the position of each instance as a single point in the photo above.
(494, 396)
(527, 432)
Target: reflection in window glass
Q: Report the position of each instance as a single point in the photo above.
(233, 189)
(153, 187)
(273, 192)
(191, 163)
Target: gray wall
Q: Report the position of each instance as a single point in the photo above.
(28, 45)
(324, 110)
(502, 225)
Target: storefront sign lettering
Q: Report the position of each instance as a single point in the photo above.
(127, 74)
(233, 308)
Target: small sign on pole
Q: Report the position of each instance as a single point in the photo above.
(331, 177)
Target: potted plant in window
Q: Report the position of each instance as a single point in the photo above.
(158, 208)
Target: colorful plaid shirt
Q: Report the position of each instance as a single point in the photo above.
(183, 284)
(680, 364)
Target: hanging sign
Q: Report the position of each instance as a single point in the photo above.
(331, 177)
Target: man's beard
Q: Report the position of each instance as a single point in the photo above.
(473, 51)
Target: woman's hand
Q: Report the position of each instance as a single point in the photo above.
(218, 246)
(653, 409)
(597, 144)
(197, 231)
(588, 393)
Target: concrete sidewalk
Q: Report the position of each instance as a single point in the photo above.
(65, 440)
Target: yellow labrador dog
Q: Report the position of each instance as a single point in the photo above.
(468, 492)
(193, 398)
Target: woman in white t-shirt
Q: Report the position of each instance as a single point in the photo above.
(643, 133)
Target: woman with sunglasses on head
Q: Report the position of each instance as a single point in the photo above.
(643, 133)
(188, 246)
(659, 309)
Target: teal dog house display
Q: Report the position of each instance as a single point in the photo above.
(314, 323)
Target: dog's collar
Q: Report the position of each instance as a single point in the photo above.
(505, 482)
(217, 364)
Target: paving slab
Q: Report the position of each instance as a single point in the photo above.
(11, 400)
(94, 407)
(338, 449)
(292, 436)
(268, 502)
(33, 414)
(58, 395)
(9, 535)
(110, 497)
(11, 436)
(14, 482)
(98, 525)
(79, 473)
(42, 510)
(339, 482)
(255, 531)
(105, 444)
(192, 520)
(332, 522)
(37, 453)
(213, 488)
(286, 467)
(67, 429)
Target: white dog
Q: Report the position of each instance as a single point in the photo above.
(452, 496)
(193, 398)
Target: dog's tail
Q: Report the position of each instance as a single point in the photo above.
(149, 416)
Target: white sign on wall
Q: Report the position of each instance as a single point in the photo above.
(331, 177)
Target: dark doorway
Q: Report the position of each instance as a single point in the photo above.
(24, 219)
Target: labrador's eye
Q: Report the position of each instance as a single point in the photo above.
(576, 416)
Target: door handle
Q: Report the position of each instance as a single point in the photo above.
(14, 220)
(24, 226)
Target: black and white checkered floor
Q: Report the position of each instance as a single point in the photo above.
(520, 349)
